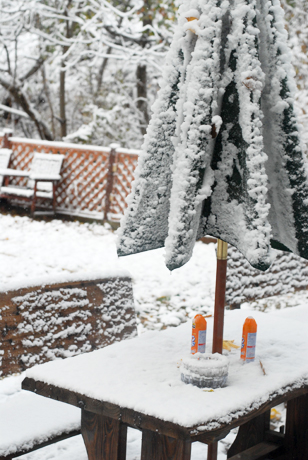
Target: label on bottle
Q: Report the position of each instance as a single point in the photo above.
(201, 341)
(251, 346)
(251, 339)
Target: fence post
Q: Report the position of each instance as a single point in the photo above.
(6, 143)
(112, 166)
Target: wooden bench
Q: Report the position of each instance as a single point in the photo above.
(39, 324)
(42, 179)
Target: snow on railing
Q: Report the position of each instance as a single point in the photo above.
(95, 180)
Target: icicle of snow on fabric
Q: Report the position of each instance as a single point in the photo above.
(197, 130)
(286, 166)
(237, 211)
(145, 222)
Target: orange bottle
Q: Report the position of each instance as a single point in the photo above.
(198, 336)
(249, 339)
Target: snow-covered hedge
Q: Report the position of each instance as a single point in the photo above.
(287, 274)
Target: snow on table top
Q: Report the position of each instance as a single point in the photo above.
(143, 373)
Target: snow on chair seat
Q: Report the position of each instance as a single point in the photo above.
(5, 156)
(28, 420)
(43, 176)
(26, 192)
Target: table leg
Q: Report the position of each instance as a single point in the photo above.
(250, 434)
(104, 437)
(296, 436)
(212, 451)
(156, 446)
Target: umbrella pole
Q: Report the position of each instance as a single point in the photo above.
(219, 310)
(220, 294)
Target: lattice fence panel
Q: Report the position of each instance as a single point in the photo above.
(123, 178)
(84, 173)
(21, 159)
(83, 185)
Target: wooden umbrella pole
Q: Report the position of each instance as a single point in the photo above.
(219, 310)
(220, 294)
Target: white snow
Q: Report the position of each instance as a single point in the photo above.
(64, 145)
(148, 374)
(21, 416)
(70, 145)
(37, 252)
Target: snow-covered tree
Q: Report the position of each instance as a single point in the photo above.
(296, 16)
(21, 59)
(88, 56)
(89, 69)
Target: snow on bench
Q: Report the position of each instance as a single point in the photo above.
(42, 177)
(39, 324)
(24, 425)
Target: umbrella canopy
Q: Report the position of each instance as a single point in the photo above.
(222, 155)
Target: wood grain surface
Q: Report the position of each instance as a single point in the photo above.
(250, 434)
(159, 447)
(296, 437)
(105, 438)
(146, 422)
(38, 324)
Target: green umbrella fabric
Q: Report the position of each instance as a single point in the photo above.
(222, 155)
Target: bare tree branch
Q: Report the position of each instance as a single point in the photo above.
(33, 69)
(101, 72)
(20, 97)
(47, 92)
(142, 40)
(9, 70)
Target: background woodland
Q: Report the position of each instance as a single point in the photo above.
(88, 71)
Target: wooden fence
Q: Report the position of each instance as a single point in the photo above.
(95, 180)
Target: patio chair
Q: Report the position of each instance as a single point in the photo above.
(42, 181)
(5, 156)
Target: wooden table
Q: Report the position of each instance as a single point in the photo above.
(142, 398)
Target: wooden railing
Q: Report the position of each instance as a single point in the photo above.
(95, 180)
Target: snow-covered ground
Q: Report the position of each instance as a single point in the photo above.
(36, 251)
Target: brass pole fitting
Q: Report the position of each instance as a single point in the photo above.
(222, 250)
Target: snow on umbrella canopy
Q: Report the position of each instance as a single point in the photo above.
(222, 154)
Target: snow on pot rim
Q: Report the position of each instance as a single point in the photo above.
(205, 370)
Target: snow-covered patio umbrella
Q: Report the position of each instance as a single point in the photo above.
(222, 155)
